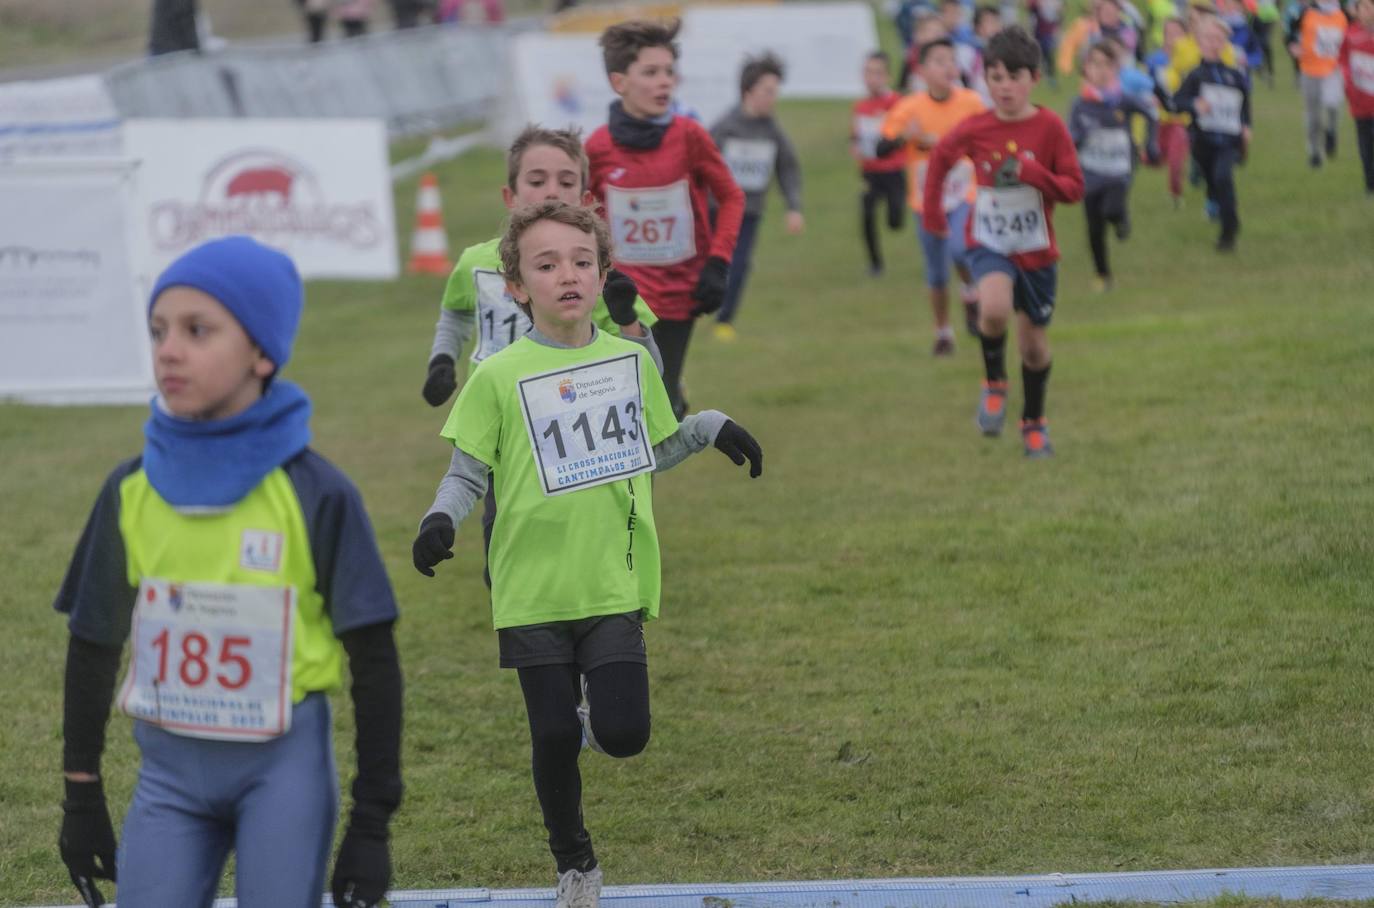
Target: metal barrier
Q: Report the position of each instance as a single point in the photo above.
(417, 80)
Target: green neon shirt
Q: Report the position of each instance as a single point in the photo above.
(576, 554)
(483, 263)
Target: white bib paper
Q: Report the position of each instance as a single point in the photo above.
(751, 161)
(1010, 219)
(211, 660)
(1223, 109)
(653, 225)
(586, 424)
(867, 132)
(1328, 43)
(499, 321)
(1362, 71)
(957, 183)
(1106, 152)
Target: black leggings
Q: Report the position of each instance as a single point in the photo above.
(1217, 163)
(672, 338)
(1104, 205)
(618, 694)
(880, 187)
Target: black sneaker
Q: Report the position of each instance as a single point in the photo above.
(1315, 161)
(1226, 244)
(944, 346)
(1331, 143)
(1123, 229)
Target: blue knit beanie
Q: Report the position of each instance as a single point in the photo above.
(256, 283)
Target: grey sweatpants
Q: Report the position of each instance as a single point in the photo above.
(1321, 94)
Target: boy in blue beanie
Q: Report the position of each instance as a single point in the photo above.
(241, 567)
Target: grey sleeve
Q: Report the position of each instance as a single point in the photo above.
(694, 434)
(461, 488)
(789, 172)
(452, 333)
(648, 343)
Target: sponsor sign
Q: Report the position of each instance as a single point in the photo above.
(319, 190)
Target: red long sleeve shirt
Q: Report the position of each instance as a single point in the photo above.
(867, 128)
(655, 200)
(1049, 164)
(1357, 68)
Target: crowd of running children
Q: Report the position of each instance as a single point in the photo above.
(239, 566)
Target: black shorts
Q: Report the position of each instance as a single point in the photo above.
(587, 643)
(889, 185)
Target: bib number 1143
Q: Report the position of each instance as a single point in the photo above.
(586, 424)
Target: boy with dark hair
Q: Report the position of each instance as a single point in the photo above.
(653, 172)
(1100, 124)
(1024, 162)
(916, 124)
(1218, 97)
(756, 149)
(1320, 34)
(883, 174)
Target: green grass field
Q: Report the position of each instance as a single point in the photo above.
(904, 651)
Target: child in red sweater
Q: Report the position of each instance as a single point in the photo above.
(1025, 161)
(1357, 68)
(652, 171)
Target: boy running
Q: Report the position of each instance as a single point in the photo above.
(756, 149)
(883, 174)
(1321, 32)
(917, 123)
(1024, 162)
(653, 172)
(1218, 98)
(1357, 68)
(241, 568)
(1100, 124)
(1173, 128)
(567, 420)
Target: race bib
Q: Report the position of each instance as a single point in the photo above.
(211, 660)
(499, 321)
(651, 226)
(751, 161)
(1223, 109)
(867, 132)
(1010, 219)
(1106, 152)
(1362, 71)
(1328, 43)
(586, 424)
(957, 183)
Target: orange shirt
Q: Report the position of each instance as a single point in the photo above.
(1320, 45)
(937, 118)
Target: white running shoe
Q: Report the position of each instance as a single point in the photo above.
(584, 715)
(579, 890)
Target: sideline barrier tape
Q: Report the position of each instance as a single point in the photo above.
(1043, 891)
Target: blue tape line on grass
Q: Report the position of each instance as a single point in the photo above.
(1164, 886)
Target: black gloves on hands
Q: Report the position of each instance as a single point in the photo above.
(362, 871)
(739, 445)
(619, 293)
(434, 544)
(441, 381)
(87, 839)
(710, 289)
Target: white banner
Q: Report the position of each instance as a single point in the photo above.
(319, 190)
(560, 80)
(72, 324)
(47, 118)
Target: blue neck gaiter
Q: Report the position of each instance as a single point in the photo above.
(212, 464)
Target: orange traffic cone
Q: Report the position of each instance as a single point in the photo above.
(429, 243)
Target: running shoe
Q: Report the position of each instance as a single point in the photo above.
(1212, 210)
(944, 346)
(1035, 435)
(577, 889)
(726, 332)
(584, 715)
(992, 408)
(1331, 144)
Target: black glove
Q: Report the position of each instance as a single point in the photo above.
(710, 289)
(87, 840)
(619, 293)
(362, 871)
(434, 544)
(739, 445)
(441, 381)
